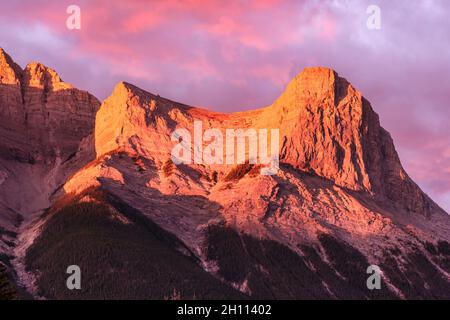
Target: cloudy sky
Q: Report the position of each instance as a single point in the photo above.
(236, 55)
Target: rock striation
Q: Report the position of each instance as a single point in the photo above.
(41, 117)
(326, 128)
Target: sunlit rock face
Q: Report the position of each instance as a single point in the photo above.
(326, 127)
(42, 117)
(45, 125)
(340, 200)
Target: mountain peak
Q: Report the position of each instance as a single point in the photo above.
(35, 74)
(326, 126)
(4, 56)
(339, 187)
(315, 85)
(122, 86)
(128, 89)
(44, 117)
(38, 75)
(10, 72)
(317, 73)
(316, 79)
(123, 92)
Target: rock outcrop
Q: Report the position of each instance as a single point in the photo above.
(45, 126)
(331, 130)
(41, 117)
(326, 128)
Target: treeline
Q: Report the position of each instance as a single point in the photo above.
(118, 260)
(271, 270)
(7, 290)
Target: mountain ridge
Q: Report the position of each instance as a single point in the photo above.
(340, 184)
(354, 166)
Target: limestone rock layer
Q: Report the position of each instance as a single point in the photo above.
(41, 117)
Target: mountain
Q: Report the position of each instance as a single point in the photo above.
(95, 185)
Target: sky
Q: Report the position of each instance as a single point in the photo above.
(238, 55)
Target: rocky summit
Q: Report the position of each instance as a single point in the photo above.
(94, 184)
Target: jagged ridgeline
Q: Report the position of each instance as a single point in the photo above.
(94, 185)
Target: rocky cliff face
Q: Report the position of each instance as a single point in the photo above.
(326, 127)
(340, 201)
(42, 117)
(334, 132)
(44, 129)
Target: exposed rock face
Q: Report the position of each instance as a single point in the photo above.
(44, 127)
(42, 117)
(332, 130)
(340, 201)
(326, 127)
